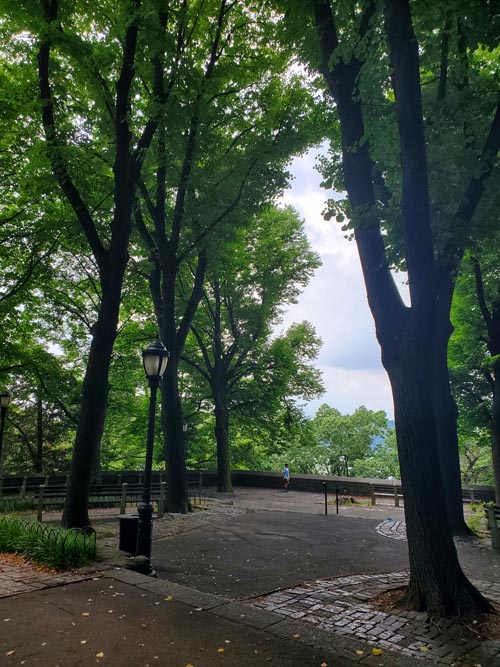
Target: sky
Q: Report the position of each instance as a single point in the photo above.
(335, 303)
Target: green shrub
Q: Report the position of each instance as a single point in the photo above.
(59, 548)
(476, 521)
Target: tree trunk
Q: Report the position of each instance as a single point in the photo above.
(406, 335)
(447, 413)
(437, 583)
(93, 406)
(175, 450)
(221, 410)
(38, 463)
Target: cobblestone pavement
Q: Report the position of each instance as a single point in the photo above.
(20, 577)
(17, 577)
(392, 528)
(339, 607)
(342, 606)
(396, 530)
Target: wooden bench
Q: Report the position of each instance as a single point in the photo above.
(493, 515)
(386, 491)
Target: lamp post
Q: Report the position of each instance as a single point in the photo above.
(154, 359)
(4, 404)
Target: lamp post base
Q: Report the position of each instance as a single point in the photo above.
(145, 532)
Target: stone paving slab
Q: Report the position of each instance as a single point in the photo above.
(16, 578)
(340, 606)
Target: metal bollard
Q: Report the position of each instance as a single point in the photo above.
(41, 490)
(200, 482)
(326, 498)
(337, 499)
(374, 500)
(396, 496)
(123, 500)
(161, 499)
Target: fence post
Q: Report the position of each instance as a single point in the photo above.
(396, 496)
(119, 479)
(337, 499)
(41, 489)
(140, 478)
(161, 500)
(374, 500)
(472, 496)
(23, 487)
(123, 501)
(200, 481)
(326, 498)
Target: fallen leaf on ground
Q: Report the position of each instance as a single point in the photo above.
(295, 636)
(99, 655)
(10, 653)
(424, 648)
(359, 652)
(84, 641)
(377, 651)
(85, 613)
(220, 650)
(323, 664)
(169, 598)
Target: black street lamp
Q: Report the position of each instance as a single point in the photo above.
(154, 359)
(4, 404)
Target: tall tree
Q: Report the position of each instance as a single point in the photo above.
(261, 272)
(82, 117)
(233, 117)
(406, 334)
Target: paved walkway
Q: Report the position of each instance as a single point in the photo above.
(326, 621)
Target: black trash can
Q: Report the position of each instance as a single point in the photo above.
(129, 527)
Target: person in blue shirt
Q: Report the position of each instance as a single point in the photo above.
(286, 477)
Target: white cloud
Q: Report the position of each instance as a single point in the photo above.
(335, 303)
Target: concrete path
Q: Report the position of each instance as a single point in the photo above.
(259, 578)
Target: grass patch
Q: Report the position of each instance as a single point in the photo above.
(58, 548)
(16, 504)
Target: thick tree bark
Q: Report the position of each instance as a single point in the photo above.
(175, 449)
(446, 411)
(437, 583)
(221, 410)
(111, 258)
(406, 335)
(174, 337)
(93, 407)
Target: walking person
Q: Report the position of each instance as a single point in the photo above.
(286, 477)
